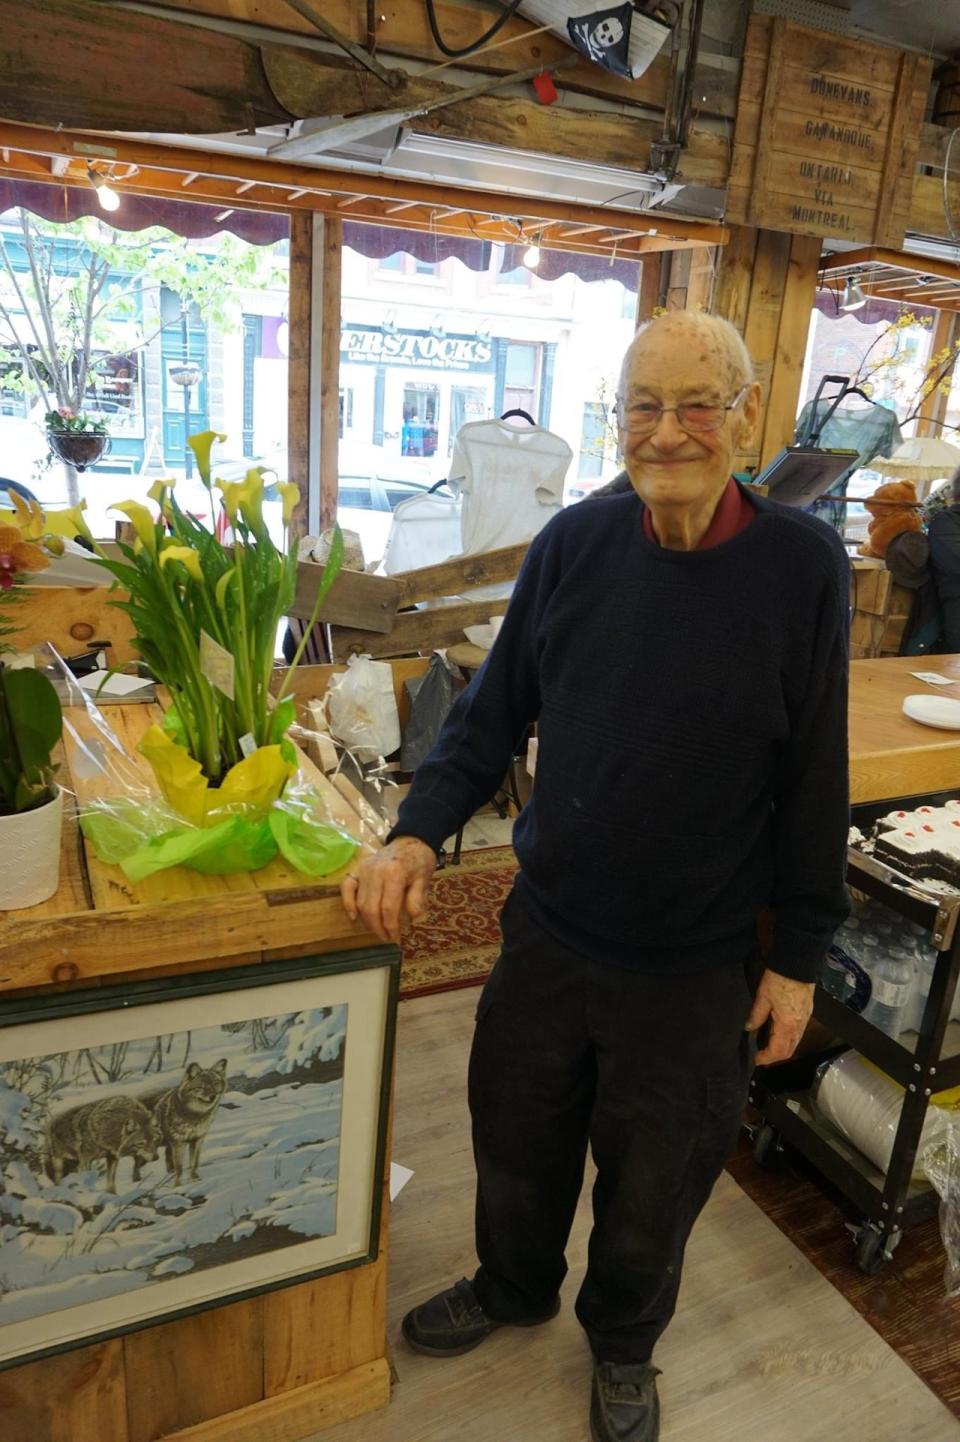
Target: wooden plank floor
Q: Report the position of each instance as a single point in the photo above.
(763, 1348)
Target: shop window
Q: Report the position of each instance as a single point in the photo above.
(593, 430)
(421, 410)
(13, 399)
(467, 403)
(114, 386)
(521, 378)
(400, 263)
(346, 409)
(519, 274)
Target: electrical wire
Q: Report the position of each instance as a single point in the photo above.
(455, 54)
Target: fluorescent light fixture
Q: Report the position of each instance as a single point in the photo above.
(336, 132)
(106, 195)
(853, 296)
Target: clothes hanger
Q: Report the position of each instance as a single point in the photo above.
(524, 416)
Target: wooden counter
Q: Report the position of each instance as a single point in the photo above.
(284, 1364)
(890, 755)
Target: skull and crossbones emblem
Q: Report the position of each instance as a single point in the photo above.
(603, 37)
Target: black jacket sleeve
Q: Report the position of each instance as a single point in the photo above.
(811, 802)
(486, 723)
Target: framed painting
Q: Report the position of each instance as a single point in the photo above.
(169, 1146)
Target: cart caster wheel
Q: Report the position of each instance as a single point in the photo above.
(768, 1148)
(872, 1253)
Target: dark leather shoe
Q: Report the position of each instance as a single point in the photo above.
(624, 1406)
(453, 1322)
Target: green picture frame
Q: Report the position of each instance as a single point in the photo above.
(174, 1145)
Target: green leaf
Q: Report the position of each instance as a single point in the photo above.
(30, 722)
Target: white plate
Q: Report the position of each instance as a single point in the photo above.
(940, 711)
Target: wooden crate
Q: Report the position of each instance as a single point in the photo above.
(881, 610)
(283, 1365)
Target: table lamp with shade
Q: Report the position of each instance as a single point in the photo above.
(924, 459)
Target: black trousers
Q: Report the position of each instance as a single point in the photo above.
(652, 1072)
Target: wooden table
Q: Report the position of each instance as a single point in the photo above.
(282, 1365)
(890, 755)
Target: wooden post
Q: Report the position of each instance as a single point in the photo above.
(700, 280)
(298, 365)
(779, 422)
(934, 409)
(330, 370)
(734, 276)
(649, 295)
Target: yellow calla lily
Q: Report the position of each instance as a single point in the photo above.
(220, 593)
(158, 491)
(186, 555)
(142, 521)
(29, 516)
(245, 498)
(202, 444)
(230, 490)
(290, 495)
(251, 499)
(69, 523)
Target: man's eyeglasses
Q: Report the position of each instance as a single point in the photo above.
(692, 416)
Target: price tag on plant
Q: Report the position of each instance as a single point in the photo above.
(216, 664)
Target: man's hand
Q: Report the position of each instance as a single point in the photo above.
(788, 1006)
(385, 886)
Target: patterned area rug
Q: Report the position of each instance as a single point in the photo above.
(459, 939)
(905, 1303)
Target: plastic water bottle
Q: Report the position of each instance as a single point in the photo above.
(924, 961)
(891, 979)
(834, 976)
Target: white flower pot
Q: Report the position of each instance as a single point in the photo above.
(30, 852)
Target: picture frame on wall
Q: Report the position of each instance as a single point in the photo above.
(174, 1145)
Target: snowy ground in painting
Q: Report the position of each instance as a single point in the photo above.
(267, 1177)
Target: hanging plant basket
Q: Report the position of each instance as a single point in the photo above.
(78, 450)
(185, 375)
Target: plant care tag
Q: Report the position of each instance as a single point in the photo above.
(216, 664)
(934, 678)
(247, 744)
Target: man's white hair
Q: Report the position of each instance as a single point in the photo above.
(723, 332)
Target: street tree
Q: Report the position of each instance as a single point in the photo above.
(75, 296)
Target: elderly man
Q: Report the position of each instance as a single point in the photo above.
(683, 649)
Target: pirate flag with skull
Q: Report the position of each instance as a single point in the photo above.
(604, 37)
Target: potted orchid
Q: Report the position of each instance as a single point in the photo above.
(77, 439)
(31, 802)
(206, 614)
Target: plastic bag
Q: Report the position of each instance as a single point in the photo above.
(941, 1164)
(145, 821)
(362, 709)
(431, 696)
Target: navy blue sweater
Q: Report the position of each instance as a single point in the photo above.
(692, 763)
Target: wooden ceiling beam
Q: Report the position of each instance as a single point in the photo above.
(896, 260)
(459, 224)
(278, 179)
(403, 31)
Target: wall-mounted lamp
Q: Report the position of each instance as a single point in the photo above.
(106, 195)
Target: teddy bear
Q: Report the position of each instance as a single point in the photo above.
(894, 509)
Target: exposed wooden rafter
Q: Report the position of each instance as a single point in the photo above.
(241, 181)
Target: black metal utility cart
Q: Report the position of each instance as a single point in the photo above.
(923, 1064)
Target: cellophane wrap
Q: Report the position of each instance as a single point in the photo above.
(940, 1163)
(148, 812)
